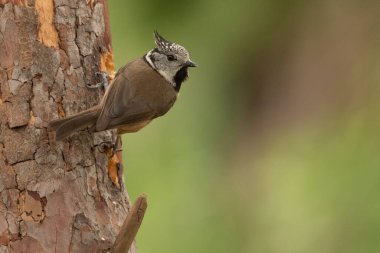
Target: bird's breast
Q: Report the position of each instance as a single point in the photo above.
(132, 127)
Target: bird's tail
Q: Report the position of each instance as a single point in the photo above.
(65, 127)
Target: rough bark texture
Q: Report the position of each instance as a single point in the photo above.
(54, 197)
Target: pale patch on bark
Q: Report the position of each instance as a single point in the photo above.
(91, 3)
(31, 206)
(106, 64)
(47, 34)
(32, 119)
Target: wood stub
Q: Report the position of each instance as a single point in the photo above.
(131, 225)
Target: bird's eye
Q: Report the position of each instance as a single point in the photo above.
(171, 57)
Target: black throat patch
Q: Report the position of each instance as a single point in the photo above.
(180, 77)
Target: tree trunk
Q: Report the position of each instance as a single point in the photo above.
(54, 197)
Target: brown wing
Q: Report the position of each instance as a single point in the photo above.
(120, 106)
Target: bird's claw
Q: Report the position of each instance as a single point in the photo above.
(103, 76)
(106, 146)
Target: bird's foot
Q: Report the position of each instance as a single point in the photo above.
(120, 170)
(103, 77)
(115, 165)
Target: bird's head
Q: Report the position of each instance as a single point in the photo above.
(171, 60)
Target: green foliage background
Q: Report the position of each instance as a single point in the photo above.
(249, 160)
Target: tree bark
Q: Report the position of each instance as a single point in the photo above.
(54, 197)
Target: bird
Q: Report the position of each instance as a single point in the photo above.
(142, 90)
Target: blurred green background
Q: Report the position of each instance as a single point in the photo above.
(273, 144)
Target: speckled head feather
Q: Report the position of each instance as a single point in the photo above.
(162, 43)
(166, 46)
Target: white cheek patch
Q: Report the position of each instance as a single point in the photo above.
(168, 77)
(147, 58)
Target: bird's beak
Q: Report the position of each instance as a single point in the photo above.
(190, 64)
